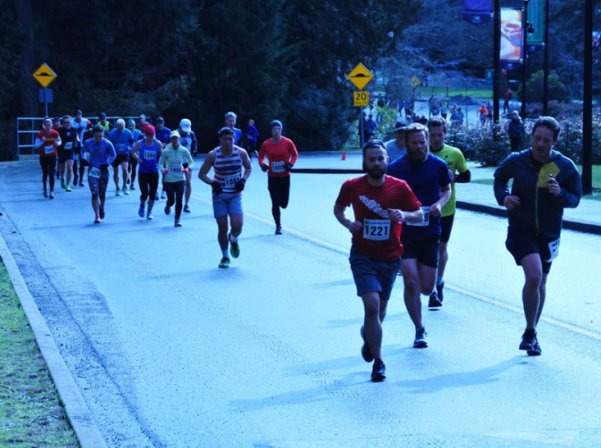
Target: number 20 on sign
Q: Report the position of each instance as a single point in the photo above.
(360, 98)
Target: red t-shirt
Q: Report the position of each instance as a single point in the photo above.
(380, 237)
(49, 145)
(278, 154)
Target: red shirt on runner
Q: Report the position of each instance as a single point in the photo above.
(278, 154)
(50, 143)
(380, 237)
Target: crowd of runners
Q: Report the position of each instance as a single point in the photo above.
(160, 157)
(403, 213)
(404, 206)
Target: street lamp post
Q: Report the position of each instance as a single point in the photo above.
(496, 59)
(546, 63)
(587, 109)
(524, 55)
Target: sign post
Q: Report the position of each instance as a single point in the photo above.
(360, 76)
(45, 75)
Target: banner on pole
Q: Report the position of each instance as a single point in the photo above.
(536, 16)
(511, 34)
(477, 12)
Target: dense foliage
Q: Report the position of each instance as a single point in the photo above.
(198, 59)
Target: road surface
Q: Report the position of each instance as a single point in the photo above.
(170, 351)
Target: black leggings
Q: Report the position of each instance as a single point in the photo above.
(279, 190)
(149, 183)
(133, 166)
(48, 165)
(175, 195)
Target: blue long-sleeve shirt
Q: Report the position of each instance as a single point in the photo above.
(99, 153)
(122, 140)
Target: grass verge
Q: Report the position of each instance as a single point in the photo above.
(31, 414)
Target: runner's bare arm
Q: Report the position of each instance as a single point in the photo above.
(352, 226)
(445, 195)
(246, 164)
(135, 149)
(406, 216)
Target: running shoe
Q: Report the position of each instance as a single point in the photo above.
(420, 338)
(51, 195)
(536, 350)
(224, 263)
(156, 196)
(529, 343)
(101, 212)
(163, 195)
(149, 216)
(97, 221)
(141, 211)
(234, 247)
(378, 372)
(68, 189)
(434, 301)
(177, 223)
(125, 191)
(63, 185)
(117, 192)
(186, 208)
(365, 350)
(81, 184)
(167, 209)
(132, 187)
(45, 194)
(439, 289)
(278, 230)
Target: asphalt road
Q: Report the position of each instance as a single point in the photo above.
(171, 351)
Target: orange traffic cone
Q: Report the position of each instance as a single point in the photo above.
(343, 155)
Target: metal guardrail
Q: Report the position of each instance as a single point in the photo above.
(28, 128)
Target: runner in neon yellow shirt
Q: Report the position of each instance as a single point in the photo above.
(459, 173)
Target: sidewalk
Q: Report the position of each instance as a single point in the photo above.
(475, 196)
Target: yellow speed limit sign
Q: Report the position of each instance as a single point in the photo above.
(360, 98)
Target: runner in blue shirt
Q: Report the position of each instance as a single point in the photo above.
(428, 177)
(99, 153)
(122, 139)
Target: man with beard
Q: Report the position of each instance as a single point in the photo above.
(544, 183)
(380, 205)
(428, 177)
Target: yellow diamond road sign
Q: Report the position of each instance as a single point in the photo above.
(360, 76)
(44, 75)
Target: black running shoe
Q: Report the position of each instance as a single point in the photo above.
(365, 350)
(420, 339)
(278, 230)
(536, 350)
(378, 372)
(167, 209)
(434, 301)
(101, 212)
(528, 341)
(439, 289)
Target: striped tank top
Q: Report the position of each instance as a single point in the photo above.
(228, 169)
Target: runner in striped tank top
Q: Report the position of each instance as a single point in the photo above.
(231, 167)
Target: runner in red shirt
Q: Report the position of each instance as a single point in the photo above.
(380, 204)
(46, 143)
(282, 155)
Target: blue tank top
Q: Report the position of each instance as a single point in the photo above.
(149, 157)
(228, 169)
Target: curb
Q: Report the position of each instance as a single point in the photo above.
(79, 415)
(578, 226)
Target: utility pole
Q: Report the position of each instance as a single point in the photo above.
(587, 112)
(524, 55)
(546, 62)
(496, 85)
